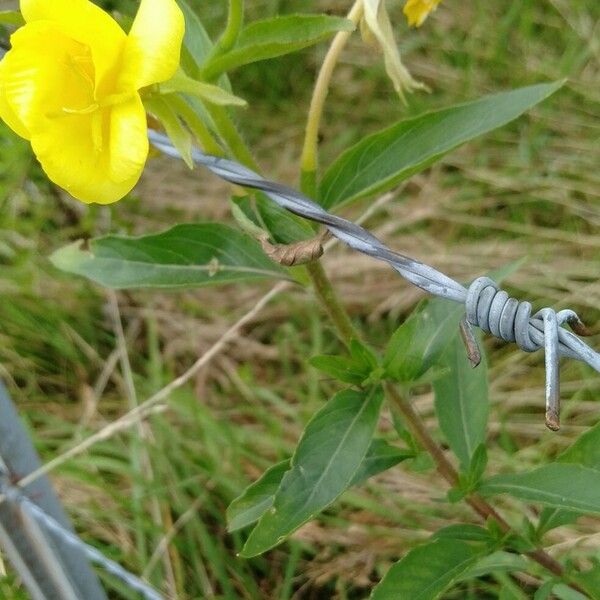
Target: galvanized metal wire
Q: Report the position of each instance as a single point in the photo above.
(486, 306)
(15, 496)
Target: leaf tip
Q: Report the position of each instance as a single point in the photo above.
(67, 257)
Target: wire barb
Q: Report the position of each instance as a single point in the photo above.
(486, 306)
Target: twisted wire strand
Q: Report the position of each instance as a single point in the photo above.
(487, 307)
(15, 496)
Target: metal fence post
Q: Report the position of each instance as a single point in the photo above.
(50, 568)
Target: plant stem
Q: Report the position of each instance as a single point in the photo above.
(449, 473)
(308, 179)
(235, 20)
(310, 152)
(331, 302)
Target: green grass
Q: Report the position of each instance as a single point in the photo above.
(530, 189)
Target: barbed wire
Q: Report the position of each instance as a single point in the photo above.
(15, 496)
(486, 306)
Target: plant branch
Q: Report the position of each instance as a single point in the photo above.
(310, 152)
(332, 304)
(235, 20)
(449, 473)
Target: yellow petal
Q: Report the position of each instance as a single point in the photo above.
(152, 50)
(88, 24)
(7, 114)
(128, 141)
(417, 11)
(69, 154)
(40, 76)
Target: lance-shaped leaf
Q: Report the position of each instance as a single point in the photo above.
(568, 486)
(427, 571)
(380, 457)
(274, 37)
(188, 255)
(495, 562)
(258, 497)
(420, 341)
(590, 581)
(466, 532)
(284, 227)
(461, 401)
(383, 159)
(324, 464)
(585, 450)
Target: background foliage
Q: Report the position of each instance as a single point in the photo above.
(529, 189)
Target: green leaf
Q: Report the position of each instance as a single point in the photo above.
(427, 571)
(380, 457)
(589, 580)
(197, 47)
(420, 341)
(544, 591)
(461, 402)
(495, 562)
(340, 368)
(478, 464)
(564, 592)
(274, 37)
(585, 450)
(189, 255)
(511, 591)
(466, 532)
(354, 369)
(572, 487)
(257, 498)
(383, 159)
(550, 518)
(285, 227)
(363, 355)
(324, 464)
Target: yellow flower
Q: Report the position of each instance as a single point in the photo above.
(416, 11)
(70, 84)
